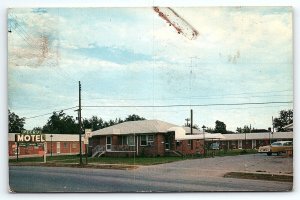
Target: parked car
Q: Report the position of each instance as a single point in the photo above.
(276, 147)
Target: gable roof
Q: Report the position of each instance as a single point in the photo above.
(142, 126)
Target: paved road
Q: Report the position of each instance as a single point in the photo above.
(172, 177)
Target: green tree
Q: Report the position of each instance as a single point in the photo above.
(246, 129)
(15, 123)
(210, 130)
(285, 118)
(60, 123)
(37, 129)
(93, 123)
(133, 117)
(220, 127)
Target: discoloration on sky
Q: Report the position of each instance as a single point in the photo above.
(180, 25)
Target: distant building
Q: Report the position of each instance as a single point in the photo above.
(62, 144)
(253, 140)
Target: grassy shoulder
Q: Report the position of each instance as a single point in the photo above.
(258, 176)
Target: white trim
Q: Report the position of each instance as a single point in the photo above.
(147, 140)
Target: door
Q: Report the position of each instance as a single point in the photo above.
(57, 147)
(240, 144)
(167, 142)
(108, 143)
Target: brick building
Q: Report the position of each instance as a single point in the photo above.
(253, 140)
(62, 144)
(149, 138)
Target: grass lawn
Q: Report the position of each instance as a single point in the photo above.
(132, 160)
(104, 160)
(232, 152)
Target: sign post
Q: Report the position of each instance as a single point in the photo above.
(45, 152)
(17, 151)
(87, 135)
(31, 137)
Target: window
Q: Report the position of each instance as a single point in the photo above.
(143, 140)
(124, 140)
(65, 145)
(147, 140)
(130, 140)
(150, 139)
(189, 142)
(74, 145)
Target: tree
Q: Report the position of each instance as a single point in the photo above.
(246, 129)
(37, 129)
(285, 118)
(93, 123)
(96, 123)
(210, 130)
(220, 127)
(15, 123)
(133, 117)
(60, 123)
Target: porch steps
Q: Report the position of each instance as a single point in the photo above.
(102, 153)
(98, 150)
(174, 153)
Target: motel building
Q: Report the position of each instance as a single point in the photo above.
(143, 138)
(253, 140)
(34, 144)
(148, 138)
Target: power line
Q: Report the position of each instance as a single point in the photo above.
(238, 95)
(50, 112)
(186, 105)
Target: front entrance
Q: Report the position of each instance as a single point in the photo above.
(240, 144)
(108, 143)
(57, 147)
(168, 141)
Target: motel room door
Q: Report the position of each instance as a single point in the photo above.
(57, 147)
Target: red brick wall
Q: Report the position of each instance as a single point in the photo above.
(186, 148)
(66, 148)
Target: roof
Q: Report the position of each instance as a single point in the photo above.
(289, 126)
(142, 126)
(55, 138)
(258, 136)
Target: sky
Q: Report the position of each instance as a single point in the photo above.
(133, 57)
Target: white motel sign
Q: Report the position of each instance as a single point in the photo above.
(34, 138)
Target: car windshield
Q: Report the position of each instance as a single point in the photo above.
(276, 144)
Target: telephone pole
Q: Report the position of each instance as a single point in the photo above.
(79, 122)
(191, 121)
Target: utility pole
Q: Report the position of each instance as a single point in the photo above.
(204, 151)
(191, 121)
(79, 122)
(272, 127)
(187, 121)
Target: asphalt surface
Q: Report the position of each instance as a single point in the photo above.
(184, 176)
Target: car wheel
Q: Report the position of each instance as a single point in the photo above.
(269, 153)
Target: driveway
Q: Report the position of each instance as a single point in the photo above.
(218, 166)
